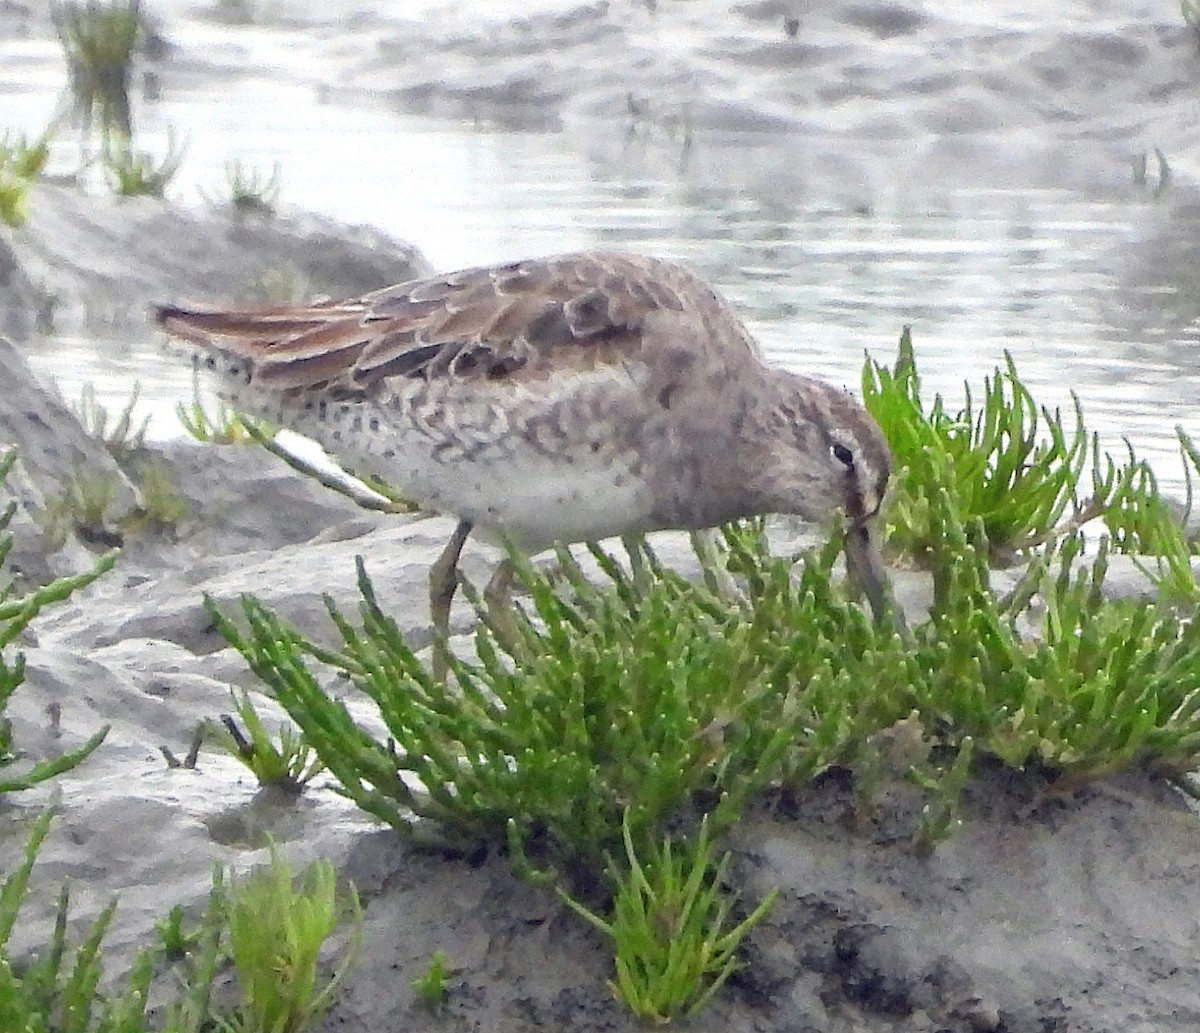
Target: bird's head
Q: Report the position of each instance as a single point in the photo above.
(831, 459)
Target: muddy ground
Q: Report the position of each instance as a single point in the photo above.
(1047, 911)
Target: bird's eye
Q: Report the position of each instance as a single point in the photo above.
(843, 455)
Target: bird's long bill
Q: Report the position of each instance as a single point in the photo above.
(864, 564)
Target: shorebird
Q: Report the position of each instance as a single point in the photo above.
(555, 400)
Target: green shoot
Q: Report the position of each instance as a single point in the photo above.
(670, 928)
(16, 886)
(43, 769)
(945, 788)
(224, 427)
(60, 981)
(276, 929)
(176, 943)
(23, 158)
(84, 507)
(250, 190)
(160, 505)
(134, 173)
(191, 1010)
(123, 438)
(289, 765)
(990, 459)
(99, 40)
(431, 988)
(13, 199)
(16, 614)
(22, 162)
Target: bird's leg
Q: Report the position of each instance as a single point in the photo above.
(443, 582)
(717, 578)
(497, 598)
(638, 571)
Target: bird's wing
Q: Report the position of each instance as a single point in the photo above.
(516, 322)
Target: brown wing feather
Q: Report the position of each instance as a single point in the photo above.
(523, 319)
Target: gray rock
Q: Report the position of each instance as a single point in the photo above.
(102, 261)
(53, 446)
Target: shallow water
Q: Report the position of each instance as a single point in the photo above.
(1086, 284)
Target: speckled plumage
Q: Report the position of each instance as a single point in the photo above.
(558, 399)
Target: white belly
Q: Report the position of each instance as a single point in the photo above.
(521, 470)
(503, 486)
(535, 501)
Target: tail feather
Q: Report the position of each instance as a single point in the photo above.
(278, 349)
(260, 324)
